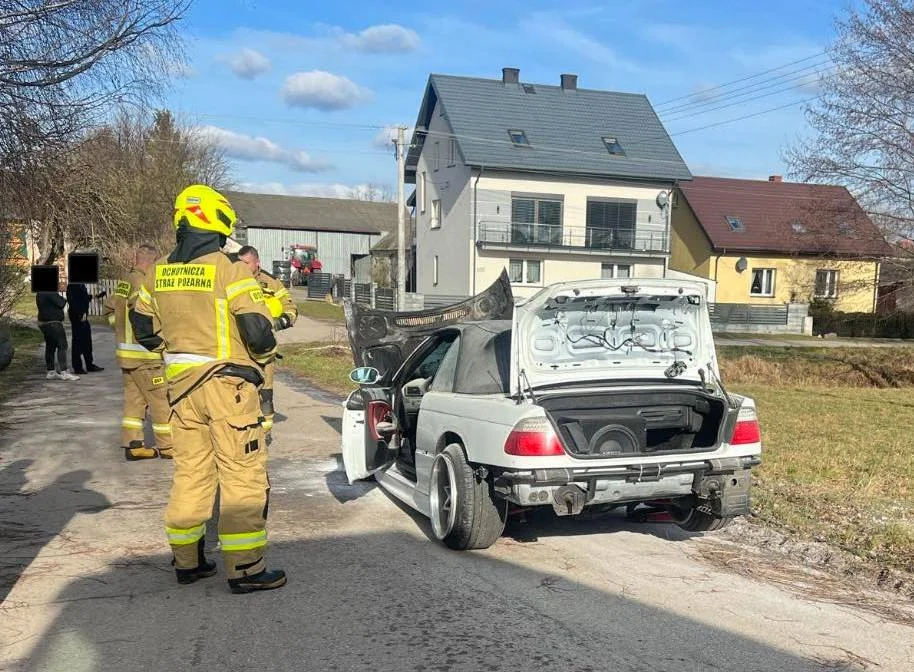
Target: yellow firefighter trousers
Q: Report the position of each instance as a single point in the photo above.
(219, 440)
(266, 396)
(145, 387)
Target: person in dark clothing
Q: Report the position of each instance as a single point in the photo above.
(50, 321)
(79, 299)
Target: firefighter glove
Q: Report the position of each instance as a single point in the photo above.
(282, 322)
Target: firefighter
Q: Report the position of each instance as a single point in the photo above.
(284, 312)
(208, 316)
(142, 370)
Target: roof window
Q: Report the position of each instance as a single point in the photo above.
(519, 138)
(735, 223)
(799, 227)
(613, 146)
(529, 88)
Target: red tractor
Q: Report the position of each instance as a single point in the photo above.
(304, 262)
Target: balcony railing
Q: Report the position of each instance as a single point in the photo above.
(504, 234)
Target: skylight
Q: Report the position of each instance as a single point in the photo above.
(529, 88)
(846, 230)
(798, 227)
(519, 138)
(735, 223)
(613, 146)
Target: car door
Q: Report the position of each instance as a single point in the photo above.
(364, 451)
(384, 338)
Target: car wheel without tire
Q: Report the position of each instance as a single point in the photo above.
(465, 513)
(693, 520)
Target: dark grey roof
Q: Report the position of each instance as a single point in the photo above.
(309, 213)
(390, 241)
(565, 129)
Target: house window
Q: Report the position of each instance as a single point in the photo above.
(613, 146)
(452, 152)
(610, 271)
(519, 138)
(437, 156)
(762, 282)
(525, 271)
(826, 284)
(421, 195)
(436, 213)
(536, 221)
(735, 223)
(611, 224)
(435, 270)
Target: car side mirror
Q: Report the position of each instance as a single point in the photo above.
(365, 375)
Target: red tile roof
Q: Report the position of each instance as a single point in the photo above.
(783, 218)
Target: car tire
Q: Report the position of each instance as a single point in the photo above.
(468, 516)
(693, 520)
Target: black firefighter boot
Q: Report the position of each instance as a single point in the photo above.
(265, 580)
(203, 569)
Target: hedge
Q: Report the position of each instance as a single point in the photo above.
(864, 325)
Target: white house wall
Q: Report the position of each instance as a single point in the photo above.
(452, 242)
(334, 248)
(557, 268)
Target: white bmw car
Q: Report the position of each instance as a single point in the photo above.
(596, 393)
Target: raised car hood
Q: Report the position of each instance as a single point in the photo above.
(384, 339)
(611, 331)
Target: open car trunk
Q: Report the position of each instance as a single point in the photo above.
(619, 424)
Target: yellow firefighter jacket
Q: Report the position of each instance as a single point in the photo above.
(193, 307)
(272, 287)
(130, 354)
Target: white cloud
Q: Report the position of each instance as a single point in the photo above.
(323, 91)
(249, 148)
(248, 64)
(389, 38)
(326, 190)
(386, 136)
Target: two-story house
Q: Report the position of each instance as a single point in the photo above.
(770, 242)
(554, 183)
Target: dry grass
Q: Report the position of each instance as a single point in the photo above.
(321, 310)
(327, 365)
(818, 367)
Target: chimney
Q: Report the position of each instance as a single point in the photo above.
(510, 75)
(569, 82)
(775, 178)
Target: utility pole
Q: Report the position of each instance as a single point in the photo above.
(401, 223)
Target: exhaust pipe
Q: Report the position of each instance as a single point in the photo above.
(568, 500)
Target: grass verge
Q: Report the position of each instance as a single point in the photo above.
(326, 365)
(838, 456)
(25, 359)
(321, 310)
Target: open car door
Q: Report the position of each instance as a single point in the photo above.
(383, 340)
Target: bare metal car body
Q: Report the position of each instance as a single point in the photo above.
(595, 393)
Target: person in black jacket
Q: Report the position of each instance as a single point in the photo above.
(78, 312)
(50, 321)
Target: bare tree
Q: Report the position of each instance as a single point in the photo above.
(373, 192)
(863, 122)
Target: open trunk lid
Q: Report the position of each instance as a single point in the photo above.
(611, 331)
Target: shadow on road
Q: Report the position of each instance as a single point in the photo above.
(384, 602)
(529, 526)
(339, 486)
(31, 519)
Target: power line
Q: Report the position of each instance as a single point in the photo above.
(748, 77)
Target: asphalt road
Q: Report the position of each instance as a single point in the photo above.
(87, 586)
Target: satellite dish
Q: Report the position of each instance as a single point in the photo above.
(662, 199)
(742, 264)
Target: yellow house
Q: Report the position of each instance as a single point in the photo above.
(774, 242)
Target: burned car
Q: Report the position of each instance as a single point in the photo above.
(594, 393)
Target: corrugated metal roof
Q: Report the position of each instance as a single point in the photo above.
(268, 211)
(565, 129)
(782, 217)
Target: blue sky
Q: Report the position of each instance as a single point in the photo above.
(299, 95)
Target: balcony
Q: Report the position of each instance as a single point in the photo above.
(577, 239)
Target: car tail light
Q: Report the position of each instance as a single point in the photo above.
(747, 428)
(377, 411)
(533, 437)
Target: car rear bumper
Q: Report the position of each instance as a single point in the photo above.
(629, 483)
